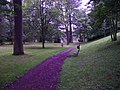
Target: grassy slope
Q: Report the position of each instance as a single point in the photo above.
(12, 67)
(96, 68)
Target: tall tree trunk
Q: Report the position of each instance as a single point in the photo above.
(67, 34)
(18, 41)
(114, 31)
(116, 24)
(43, 38)
(0, 28)
(42, 17)
(70, 24)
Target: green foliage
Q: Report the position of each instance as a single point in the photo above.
(5, 8)
(105, 16)
(105, 8)
(99, 14)
(39, 18)
(4, 2)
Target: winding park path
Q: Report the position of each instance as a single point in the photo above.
(44, 76)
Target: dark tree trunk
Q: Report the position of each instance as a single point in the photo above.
(43, 39)
(67, 34)
(70, 23)
(1, 28)
(42, 23)
(116, 26)
(43, 43)
(18, 41)
(114, 30)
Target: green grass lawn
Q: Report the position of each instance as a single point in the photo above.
(13, 67)
(96, 68)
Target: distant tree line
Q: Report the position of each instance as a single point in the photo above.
(49, 20)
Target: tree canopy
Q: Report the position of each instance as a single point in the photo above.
(52, 20)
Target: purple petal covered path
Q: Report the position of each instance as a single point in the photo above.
(45, 76)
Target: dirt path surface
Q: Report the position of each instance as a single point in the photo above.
(45, 76)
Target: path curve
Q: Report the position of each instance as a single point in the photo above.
(45, 76)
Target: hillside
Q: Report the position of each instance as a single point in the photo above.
(96, 68)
